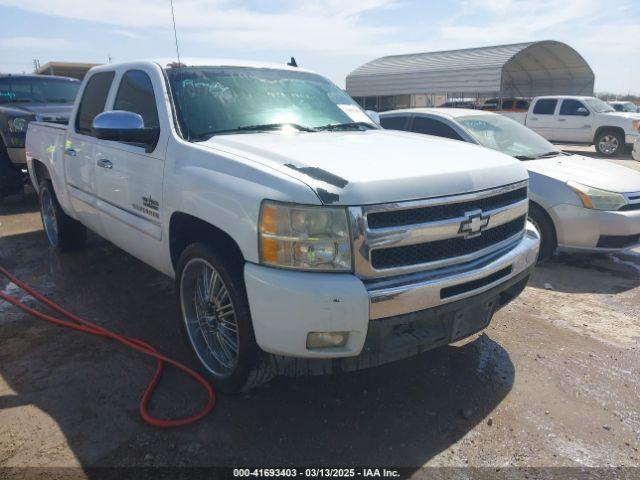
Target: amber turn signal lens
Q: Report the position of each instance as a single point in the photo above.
(268, 224)
(270, 250)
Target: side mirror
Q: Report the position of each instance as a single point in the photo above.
(123, 126)
(373, 116)
(582, 111)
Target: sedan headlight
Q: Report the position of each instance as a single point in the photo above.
(18, 125)
(304, 237)
(597, 199)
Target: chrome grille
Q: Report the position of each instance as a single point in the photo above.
(434, 213)
(399, 238)
(442, 249)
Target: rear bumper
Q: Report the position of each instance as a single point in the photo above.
(585, 230)
(286, 306)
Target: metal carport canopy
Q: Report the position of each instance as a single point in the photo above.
(517, 70)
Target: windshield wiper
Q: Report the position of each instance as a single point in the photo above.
(553, 153)
(346, 126)
(252, 128)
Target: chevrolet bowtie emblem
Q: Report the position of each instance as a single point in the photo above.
(473, 225)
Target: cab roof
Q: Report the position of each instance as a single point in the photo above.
(168, 63)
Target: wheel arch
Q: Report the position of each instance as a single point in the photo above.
(185, 229)
(535, 205)
(603, 129)
(40, 172)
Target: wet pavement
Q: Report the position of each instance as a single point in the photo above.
(554, 380)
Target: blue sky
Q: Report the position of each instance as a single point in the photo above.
(330, 36)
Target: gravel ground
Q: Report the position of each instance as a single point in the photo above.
(554, 380)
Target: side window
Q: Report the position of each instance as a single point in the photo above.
(572, 107)
(507, 105)
(522, 105)
(135, 94)
(397, 122)
(93, 101)
(433, 127)
(546, 106)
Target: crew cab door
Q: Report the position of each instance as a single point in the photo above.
(574, 122)
(79, 150)
(129, 176)
(542, 118)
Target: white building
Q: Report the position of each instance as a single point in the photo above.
(521, 70)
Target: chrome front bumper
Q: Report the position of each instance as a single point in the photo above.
(425, 290)
(636, 150)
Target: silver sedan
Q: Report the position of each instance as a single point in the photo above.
(577, 203)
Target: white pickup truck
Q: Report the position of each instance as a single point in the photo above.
(302, 237)
(581, 120)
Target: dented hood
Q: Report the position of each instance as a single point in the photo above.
(375, 166)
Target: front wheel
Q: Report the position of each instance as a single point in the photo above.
(609, 143)
(63, 232)
(543, 224)
(216, 316)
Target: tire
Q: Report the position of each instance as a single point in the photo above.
(609, 143)
(63, 232)
(542, 222)
(217, 325)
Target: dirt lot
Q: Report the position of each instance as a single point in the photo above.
(554, 380)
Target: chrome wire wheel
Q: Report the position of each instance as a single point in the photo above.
(210, 317)
(49, 218)
(608, 144)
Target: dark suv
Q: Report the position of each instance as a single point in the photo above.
(24, 98)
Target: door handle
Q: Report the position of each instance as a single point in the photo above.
(104, 163)
(534, 118)
(562, 119)
(71, 152)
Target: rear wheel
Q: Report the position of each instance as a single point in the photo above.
(545, 227)
(216, 316)
(63, 232)
(609, 143)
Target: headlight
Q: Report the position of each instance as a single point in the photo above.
(597, 199)
(304, 237)
(18, 125)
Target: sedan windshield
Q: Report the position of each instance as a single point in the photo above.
(223, 100)
(598, 105)
(625, 107)
(507, 136)
(38, 90)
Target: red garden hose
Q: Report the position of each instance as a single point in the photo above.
(76, 323)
